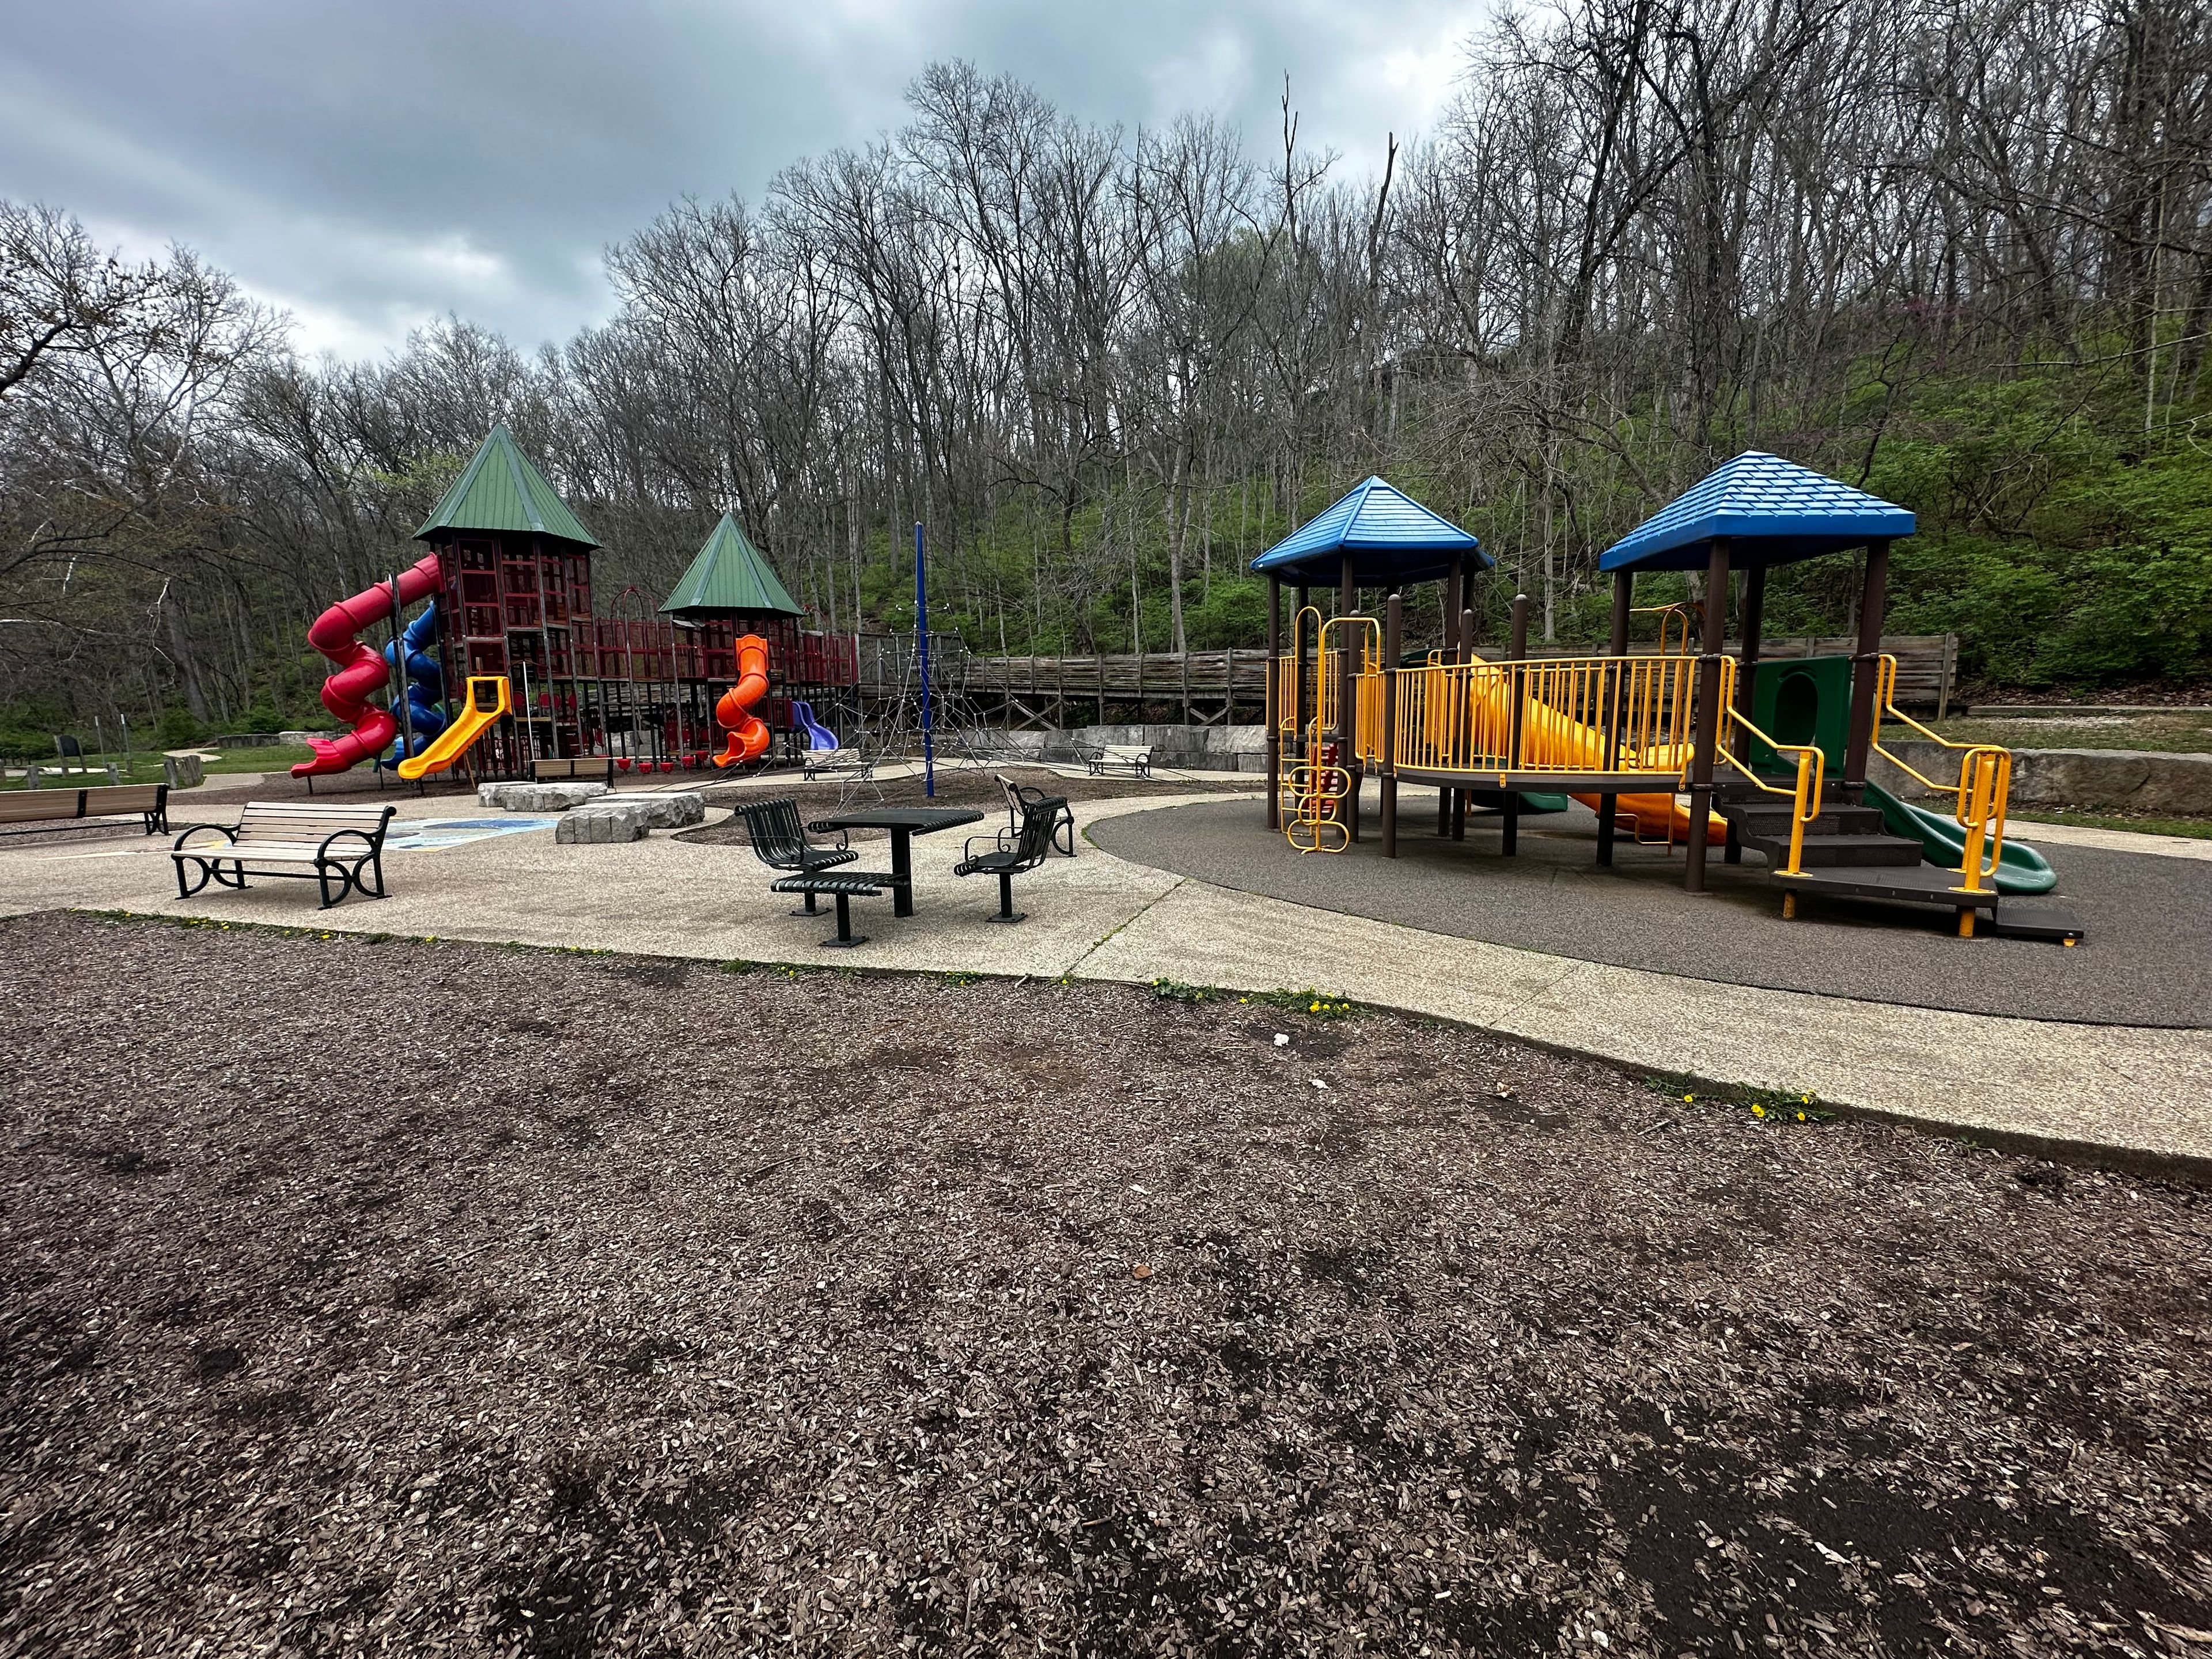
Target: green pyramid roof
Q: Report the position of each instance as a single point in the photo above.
(729, 578)
(499, 489)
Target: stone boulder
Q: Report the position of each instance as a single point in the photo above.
(679, 811)
(538, 796)
(628, 817)
(603, 820)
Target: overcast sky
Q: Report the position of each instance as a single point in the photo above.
(373, 165)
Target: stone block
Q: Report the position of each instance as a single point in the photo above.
(538, 796)
(602, 821)
(679, 810)
(2091, 780)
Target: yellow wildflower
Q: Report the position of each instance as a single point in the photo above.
(1758, 1111)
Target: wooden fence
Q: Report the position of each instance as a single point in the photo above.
(1212, 687)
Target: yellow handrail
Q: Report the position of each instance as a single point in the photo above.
(1812, 771)
(1677, 611)
(1982, 791)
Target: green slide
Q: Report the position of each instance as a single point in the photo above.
(2019, 869)
(1531, 801)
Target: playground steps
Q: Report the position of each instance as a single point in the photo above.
(1848, 853)
(1845, 834)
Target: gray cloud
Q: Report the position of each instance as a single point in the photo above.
(372, 166)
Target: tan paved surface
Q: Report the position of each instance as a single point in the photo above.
(1099, 916)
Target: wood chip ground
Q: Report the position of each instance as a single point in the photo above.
(405, 1298)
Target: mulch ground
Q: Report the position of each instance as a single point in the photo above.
(432, 1297)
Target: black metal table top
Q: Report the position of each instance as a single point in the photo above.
(920, 820)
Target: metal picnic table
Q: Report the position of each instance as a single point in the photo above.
(904, 823)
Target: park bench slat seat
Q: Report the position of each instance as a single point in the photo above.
(779, 841)
(333, 842)
(844, 886)
(821, 763)
(98, 807)
(1136, 759)
(1009, 854)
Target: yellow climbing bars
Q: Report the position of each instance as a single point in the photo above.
(1316, 823)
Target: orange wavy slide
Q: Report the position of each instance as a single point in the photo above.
(748, 733)
(1642, 816)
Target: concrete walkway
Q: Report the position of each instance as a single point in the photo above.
(2120, 1091)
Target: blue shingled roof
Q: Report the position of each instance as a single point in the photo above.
(1773, 511)
(1391, 537)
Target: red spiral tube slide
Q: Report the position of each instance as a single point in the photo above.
(360, 670)
(748, 733)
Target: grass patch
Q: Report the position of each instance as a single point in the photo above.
(1316, 1005)
(2177, 733)
(146, 767)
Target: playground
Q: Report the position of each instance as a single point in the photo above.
(997, 1314)
(1566, 1153)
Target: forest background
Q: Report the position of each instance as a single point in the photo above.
(1956, 252)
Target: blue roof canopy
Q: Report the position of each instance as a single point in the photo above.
(1391, 537)
(1772, 511)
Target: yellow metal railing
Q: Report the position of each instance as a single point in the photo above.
(1557, 714)
(1667, 614)
(1982, 791)
(1811, 774)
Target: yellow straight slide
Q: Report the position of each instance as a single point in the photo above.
(1560, 739)
(453, 742)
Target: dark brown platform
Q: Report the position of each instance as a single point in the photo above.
(1909, 884)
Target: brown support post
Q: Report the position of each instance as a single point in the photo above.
(1464, 652)
(1510, 808)
(1393, 633)
(1616, 644)
(1268, 703)
(1298, 714)
(1448, 609)
(1348, 700)
(1872, 596)
(1708, 716)
(1754, 615)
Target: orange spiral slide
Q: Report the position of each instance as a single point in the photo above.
(748, 733)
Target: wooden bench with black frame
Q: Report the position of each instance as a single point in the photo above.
(322, 842)
(574, 769)
(1136, 759)
(1010, 855)
(102, 807)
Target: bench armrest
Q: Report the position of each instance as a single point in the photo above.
(997, 843)
(192, 830)
(375, 842)
(819, 827)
